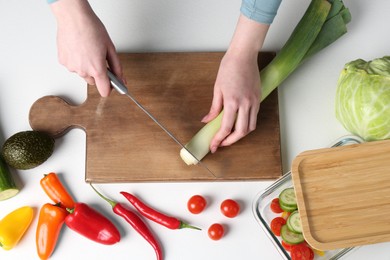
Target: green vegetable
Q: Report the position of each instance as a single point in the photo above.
(8, 188)
(363, 98)
(294, 222)
(27, 149)
(323, 23)
(287, 198)
(290, 237)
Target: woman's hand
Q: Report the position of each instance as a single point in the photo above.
(237, 88)
(84, 45)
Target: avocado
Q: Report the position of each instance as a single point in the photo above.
(27, 149)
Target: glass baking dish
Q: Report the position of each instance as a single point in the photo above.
(264, 215)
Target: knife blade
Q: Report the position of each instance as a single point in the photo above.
(119, 86)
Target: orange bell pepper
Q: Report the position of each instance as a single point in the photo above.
(51, 219)
(53, 187)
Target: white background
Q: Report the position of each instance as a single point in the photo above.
(29, 70)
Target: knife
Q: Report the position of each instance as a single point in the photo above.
(119, 86)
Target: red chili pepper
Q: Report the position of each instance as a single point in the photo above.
(136, 222)
(93, 225)
(154, 215)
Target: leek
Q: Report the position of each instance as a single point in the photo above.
(323, 23)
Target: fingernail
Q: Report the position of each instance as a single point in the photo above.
(213, 149)
(204, 119)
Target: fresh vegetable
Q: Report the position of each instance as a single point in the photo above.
(154, 215)
(275, 206)
(230, 208)
(289, 227)
(290, 237)
(91, 224)
(277, 224)
(363, 98)
(323, 23)
(216, 231)
(287, 200)
(50, 222)
(8, 188)
(14, 225)
(301, 252)
(27, 149)
(286, 246)
(56, 191)
(136, 222)
(288, 208)
(285, 214)
(294, 222)
(196, 204)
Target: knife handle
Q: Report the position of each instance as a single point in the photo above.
(116, 83)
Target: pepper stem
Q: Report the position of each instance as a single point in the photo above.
(185, 225)
(111, 202)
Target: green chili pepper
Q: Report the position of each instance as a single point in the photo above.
(14, 225)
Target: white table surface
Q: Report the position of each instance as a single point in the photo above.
(29, 70)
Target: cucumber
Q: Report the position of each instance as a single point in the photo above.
(8, 188)
(290, 237)
(287, 198)
(287, 208)
(294, 222)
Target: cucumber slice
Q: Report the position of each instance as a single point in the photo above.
(294, 222)
(287, 198)
(8, 187)
(287, 208)
(290, 237)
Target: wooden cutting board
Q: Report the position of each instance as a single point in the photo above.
(343, 194)
(124, 145)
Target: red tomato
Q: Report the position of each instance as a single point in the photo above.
(301, 252)
(275, 206)
(216, 231)
(196, 204)
(276, 225)
(286, 246)
(230, 208)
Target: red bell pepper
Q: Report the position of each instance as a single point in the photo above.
(91, 224)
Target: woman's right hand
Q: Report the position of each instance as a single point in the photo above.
(83, 44)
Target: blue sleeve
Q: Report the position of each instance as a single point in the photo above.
(51, 1)
(262, 11)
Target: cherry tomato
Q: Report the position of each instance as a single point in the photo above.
(216, 231)
(275, 206)
(286, 246)
(301, 252)
(230, 208)
(276, 225)
(196, 204)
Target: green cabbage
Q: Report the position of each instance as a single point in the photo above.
(363, 98)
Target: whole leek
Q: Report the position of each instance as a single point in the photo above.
(323, 23)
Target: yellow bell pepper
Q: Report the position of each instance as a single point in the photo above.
(14, 225)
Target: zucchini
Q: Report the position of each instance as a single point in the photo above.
(294, 222)
(287, 198)
(8, 188)
(290, 237)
